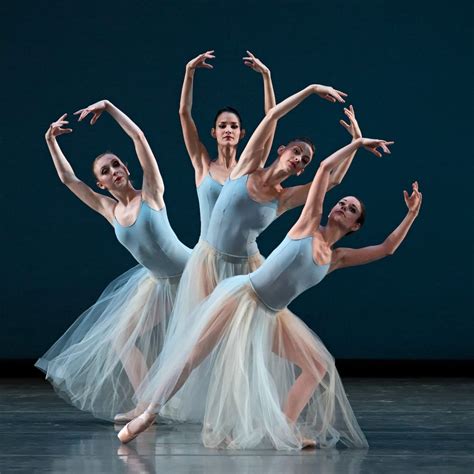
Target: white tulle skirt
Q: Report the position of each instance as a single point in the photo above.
(244, 360)
(103, 357)
(204, 270)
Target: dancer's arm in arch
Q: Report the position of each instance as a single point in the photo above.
(196, 150)
(102, 204)
(153, 187)
(296, 195)
(310, 216)
(347, 257)
(251, 157)
(269, 97)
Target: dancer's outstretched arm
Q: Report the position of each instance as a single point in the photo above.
(153, 187)
(311, 214)
(102, 204)
(251, 157)
(296, 195)
(196, 150)
(347, 257)
(269, 97)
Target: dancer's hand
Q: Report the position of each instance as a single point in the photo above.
(353, 126)
(371, 144)
(255, 63)
(413, 201)
(200, 61)
(95, 109)
(329, 93)
(55, 129)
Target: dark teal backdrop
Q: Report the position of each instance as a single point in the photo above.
(406, 66)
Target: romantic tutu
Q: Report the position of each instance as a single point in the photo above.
(243, 354)
(102, 358)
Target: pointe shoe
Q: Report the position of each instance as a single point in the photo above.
(308, 443)
(125, 435)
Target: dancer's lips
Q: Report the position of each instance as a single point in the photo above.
(342, 212)
(117, 179)
(293, 165)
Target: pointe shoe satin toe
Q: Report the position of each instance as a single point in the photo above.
(125, 435)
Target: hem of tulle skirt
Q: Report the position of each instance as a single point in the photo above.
(42, 364)
(228, 256)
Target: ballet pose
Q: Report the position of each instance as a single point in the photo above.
(271, 378)
(227, 130)
(98, 364)
(251, 199)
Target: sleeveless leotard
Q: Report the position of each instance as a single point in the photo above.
(288, 271)
(208, 192)
(237, 220)
(153, 243)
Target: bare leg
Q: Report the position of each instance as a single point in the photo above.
(312, 369)
(206, 343)
(133, 361)
(210, 336)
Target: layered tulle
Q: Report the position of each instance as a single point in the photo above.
(204, 270)
(103, 357)
(244, 360)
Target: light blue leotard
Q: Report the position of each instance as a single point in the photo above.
(237, 220)
(153, 243)
(208, 192)
(288, 271)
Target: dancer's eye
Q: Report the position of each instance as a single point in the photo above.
(104, 170)
(115, 164)
(234, 126)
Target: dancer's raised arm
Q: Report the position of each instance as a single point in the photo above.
(310, 217)
(251, 157)
(196, 150)
(102, 204)
(347, 257)
(153, 186)
(269, 96)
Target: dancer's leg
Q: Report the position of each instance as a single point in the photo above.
(132, 359)
(210, 336)
(301, 352)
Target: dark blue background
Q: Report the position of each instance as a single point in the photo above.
(407, 68)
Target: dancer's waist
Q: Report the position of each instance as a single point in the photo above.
(233, 252)
(247, 250)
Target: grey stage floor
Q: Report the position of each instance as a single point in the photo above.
(413, 426)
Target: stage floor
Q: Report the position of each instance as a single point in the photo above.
(412, 425)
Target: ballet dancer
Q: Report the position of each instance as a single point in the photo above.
(271, 378)
(251, 199)
(227, 130)
(100, 361)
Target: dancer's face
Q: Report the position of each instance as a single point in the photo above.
(111, 173)
(227, 129)
(295, 157)
(346, 213)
